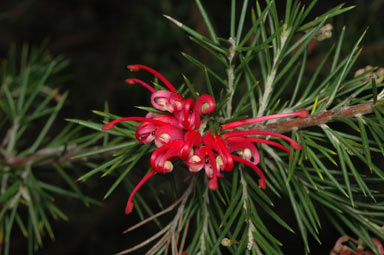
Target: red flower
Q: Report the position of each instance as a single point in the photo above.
(341, 248)
(204, 157)
(177, 135)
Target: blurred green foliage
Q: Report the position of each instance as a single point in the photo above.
(100, 38)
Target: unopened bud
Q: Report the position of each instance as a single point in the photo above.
(212, 184)
(226, 242)
(129, 208)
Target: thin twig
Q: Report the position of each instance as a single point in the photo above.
(317, 119)
(169, 231)
(174, 244)
(177, 234)
(10, 141)
(245, 188)
(251, 226)
(155, 248)
(185, 233)
(168, 209)
(146, 242)
(11, 136)
(59, 155)
(231, 75)
(272, 153)
(272, 75)
(4, 181)
(167, 247)
(180, 212)
(204, 232)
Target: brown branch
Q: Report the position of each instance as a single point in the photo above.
(59, 155)
(317, 119)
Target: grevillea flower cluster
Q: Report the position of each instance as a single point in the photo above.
(178, 134)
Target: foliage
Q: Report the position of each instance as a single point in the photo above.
(264, 65)
(260, 68)
(30, 103)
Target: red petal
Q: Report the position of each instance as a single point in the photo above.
(205, 104)
(162, 95)
(166, 152)
(242, 143)
(225, 154)
(191, 138)
(173, 132)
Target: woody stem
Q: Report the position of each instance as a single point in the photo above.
(319, 118)
(231, 76)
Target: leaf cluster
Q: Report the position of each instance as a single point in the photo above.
(29, 105)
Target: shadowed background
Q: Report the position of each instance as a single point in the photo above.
(100, 38)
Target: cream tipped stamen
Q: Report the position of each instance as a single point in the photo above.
(137, 67)
(132, 81)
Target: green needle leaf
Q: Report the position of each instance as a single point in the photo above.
(48, 124)
(139, 155)
(207, 21)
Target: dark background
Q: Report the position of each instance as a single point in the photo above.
(100, 38)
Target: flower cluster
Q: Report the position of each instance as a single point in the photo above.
(178, 133)
(377, 75)
(341, 248)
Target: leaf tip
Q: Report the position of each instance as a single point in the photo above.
(177, 23)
